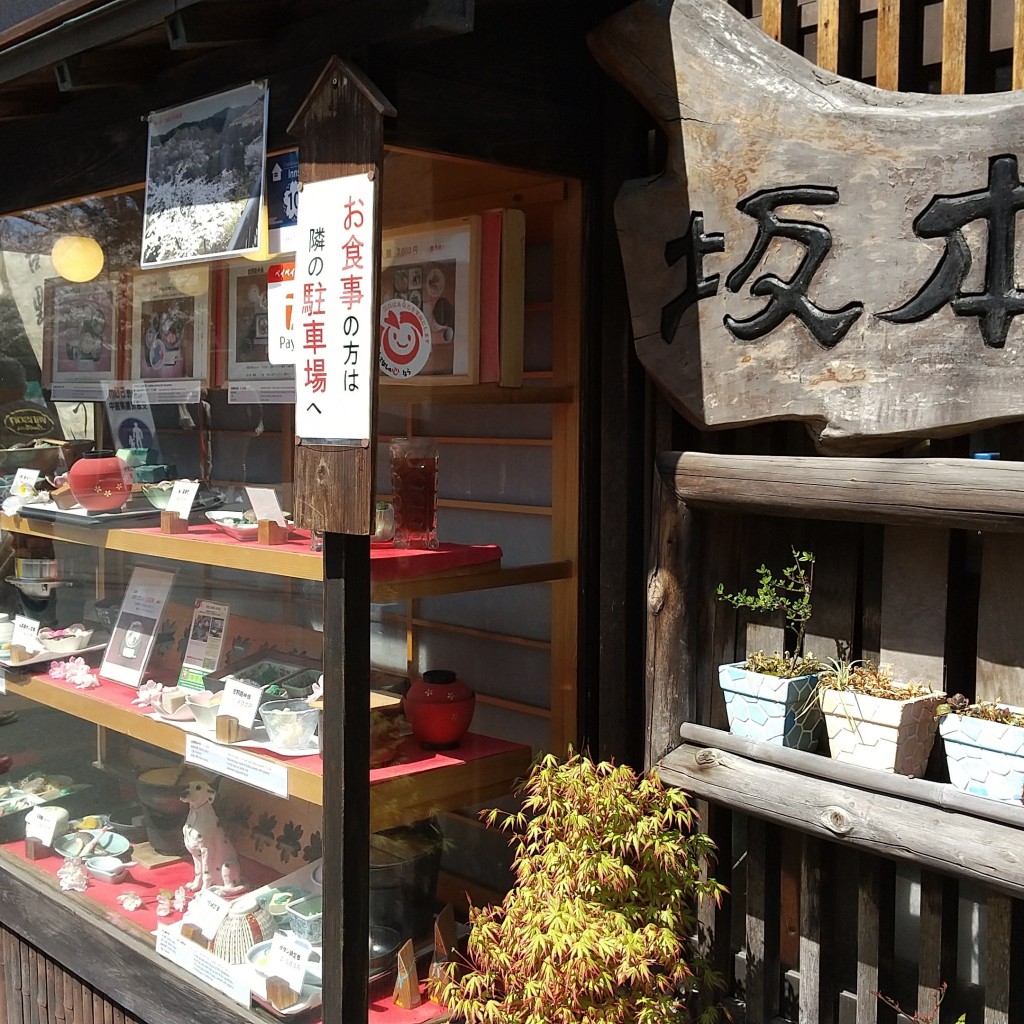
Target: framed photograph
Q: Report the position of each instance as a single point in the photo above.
(82, 329)
(169, 324)
(204, 178)
(430, 302)
(248, 327)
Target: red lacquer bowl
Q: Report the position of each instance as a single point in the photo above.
(100, 481)
(439, 708)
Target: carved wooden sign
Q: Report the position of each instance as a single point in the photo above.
(817, 249)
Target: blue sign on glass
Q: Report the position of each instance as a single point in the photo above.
(283, 197)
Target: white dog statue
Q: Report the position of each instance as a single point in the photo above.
(215, 859)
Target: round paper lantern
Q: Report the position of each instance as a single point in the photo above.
(77, 257)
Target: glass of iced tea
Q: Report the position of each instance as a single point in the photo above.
(414, 491)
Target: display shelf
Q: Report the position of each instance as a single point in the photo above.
(421, 784)
(396, 574)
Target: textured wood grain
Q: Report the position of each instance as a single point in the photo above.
(837, 26)
(762, 986)
(954, 46)
(875, 923)
(780, 20)
(891, 826)
(743, 117)
(671, 626)
(1018, 44)
(915, 564)
(937, 946)
(998, 914)
(887, 54)
(963, 493)
(1000, 659)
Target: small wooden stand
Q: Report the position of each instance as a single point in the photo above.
(19, 654)
(194, 933)
(269, 532)
(229, 731)
(35, 849)
(63, 498)
(281, 996)
(407, 984)
(171, 522)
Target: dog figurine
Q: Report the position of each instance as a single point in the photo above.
(215, 859)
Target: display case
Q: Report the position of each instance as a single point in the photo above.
(163, 687)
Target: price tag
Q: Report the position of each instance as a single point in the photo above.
(42, 822)
(24, 478)
(261, 772)
(182, 495)
(26, 634)
(287, 959)
(206, 911)
(241, 700)
(231, 979)
(265, 504)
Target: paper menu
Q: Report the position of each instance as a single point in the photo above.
(205, 643)
(138, 621)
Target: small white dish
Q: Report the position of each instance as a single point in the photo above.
(106, 868)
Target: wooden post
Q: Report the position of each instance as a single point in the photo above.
(340, 133)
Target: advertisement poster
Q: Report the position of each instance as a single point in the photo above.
(131, 642)
(205, 643)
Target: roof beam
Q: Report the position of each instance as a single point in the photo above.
(116, 20)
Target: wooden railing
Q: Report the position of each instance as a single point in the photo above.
(844, 882)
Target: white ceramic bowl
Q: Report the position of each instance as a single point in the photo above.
(204, 707)
(74, 640)
(110, 843)
(106, 868)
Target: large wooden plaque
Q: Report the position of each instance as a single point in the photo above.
(817, 249)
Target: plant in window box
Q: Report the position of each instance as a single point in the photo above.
(600, 924)
(984, 744)
(874, 721)
(770, 697)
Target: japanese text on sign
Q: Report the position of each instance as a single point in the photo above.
(334, 320)
(943, 217)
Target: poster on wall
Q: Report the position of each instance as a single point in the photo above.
(81, 332)
(249, 326)
(429, 293)
(205, 174)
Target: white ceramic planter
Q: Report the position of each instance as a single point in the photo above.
(771, 709)
(875, 732)
(984, 758)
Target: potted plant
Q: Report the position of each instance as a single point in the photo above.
(984, 745)
(770, 697)
(600, 923)
(874, 721)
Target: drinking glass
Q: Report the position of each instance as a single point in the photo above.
(414, 491)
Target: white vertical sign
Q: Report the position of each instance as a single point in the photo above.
(335, 263)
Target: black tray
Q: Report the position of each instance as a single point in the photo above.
(138, 513)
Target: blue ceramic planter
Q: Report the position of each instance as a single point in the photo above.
(771, 709)
(984, 758)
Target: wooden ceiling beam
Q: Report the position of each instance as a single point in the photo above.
(205, 26)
